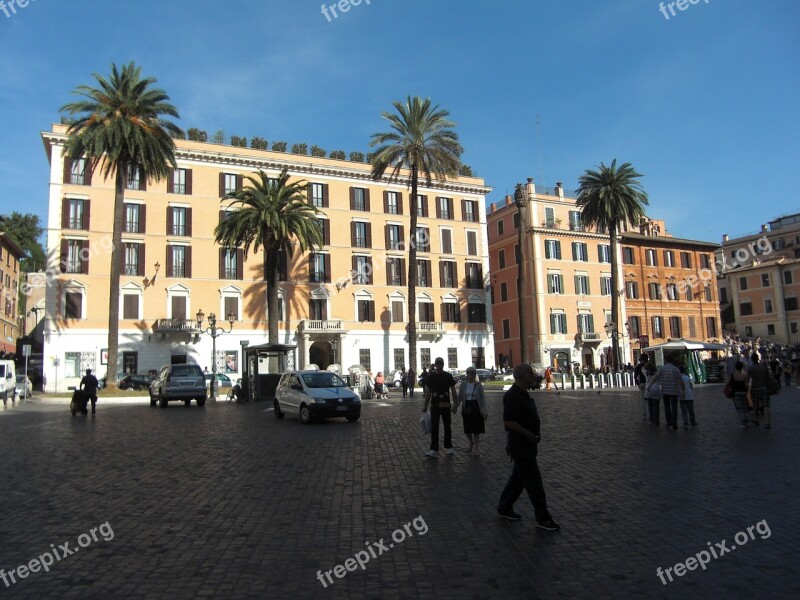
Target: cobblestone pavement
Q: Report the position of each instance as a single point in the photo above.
(228, 502)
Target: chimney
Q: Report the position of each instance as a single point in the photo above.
(493, 207)
(509, 200)
(530, 188)
(763, 229)
(724, 237)
(559, 190)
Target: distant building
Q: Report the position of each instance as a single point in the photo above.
(10, 255)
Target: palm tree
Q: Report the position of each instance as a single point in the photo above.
(272, 214)
(610, 198)
(422, 141)
(120, 126)
(521, 200)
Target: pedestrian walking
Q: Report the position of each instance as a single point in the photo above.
(738, 382)
(472, 399)
(760, 376)
(411, 378)
(548, 377)
(88, 387)
(440, 388)
(522, 424)
(687, 402)
(671, 389)
(370, 384)
(652, 394)
(640, 379)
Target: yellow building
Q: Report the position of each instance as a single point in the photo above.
(345, 303)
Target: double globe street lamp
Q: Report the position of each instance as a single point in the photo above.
(214, 332)
(614, 334)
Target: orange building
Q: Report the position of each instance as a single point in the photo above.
(10, 255)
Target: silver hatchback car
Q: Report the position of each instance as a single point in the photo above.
(178, 382)
(311, 394)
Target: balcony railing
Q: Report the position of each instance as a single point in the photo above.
(589, 336)
(166, 325)
(429, 326)
(317, 325)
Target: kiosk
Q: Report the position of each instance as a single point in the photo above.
(263, 366)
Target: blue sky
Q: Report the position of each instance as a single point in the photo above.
(705, 104)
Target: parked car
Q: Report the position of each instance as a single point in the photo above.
(24, 386)
(222, 380)
(136, 382)
(178, 382)
(395, 379)
(312, 394)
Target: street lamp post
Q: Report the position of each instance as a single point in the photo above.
(521, 201)
(614, 334)
(214, 332)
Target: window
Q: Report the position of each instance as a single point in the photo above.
(392, 206)
(474, 276)
(452, 358)
(359, 234)
(723, 295)
(230, 264)
(73, 307)
(632, 290)
(767, 305)
(708, 293)
(422, 205)
(506, 329)
(742, 283)
(366, 311)
(555, 283)
(675, 327)
(692, 327)
(549, 217)
(558, 323)
(745, 309)
(669, 258)
(586, 323)
(179, 224)
(135, 180)
(672, 291)
(501, 259)
(503, 292)
(451, 312)
(423, 273)
(605, 286)
(180, 182)
(627, 256)
(131, 218)
(395, 273)
(476, 313)
(422, 238)
(397, 311)
(425, 357)
(448, 274)
(231, 306)
(362, 270)
(765, 280)
(426, 314)
(686, 260)
(748, 331)
(651, 258)
(580, 251)
(575, 221)
(77, 174)
(654, 291)
(177, 267)
(500, 228)
(705, 261)
(790, 303)
(364, 358)
(635, 329)
(394, 236)
(711, 327)
(582, 285)
(444, 208)
(359, 199)
(478, 357)
(604, 253)
(75, 213)
(72, 260)
(72, 364)
(787, 277)
(470, 211)
(230, 183)
(399, 358)
(319, 269)
(132, 262)
(447, 241)
(472, 243)
(317, 309)
(317, 195)
(770, 329)
(552, 249)
(689, 293)
(657, 327)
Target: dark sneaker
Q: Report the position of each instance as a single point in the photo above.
(508, 514)
(549, 525)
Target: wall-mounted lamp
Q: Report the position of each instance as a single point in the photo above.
(151, 281)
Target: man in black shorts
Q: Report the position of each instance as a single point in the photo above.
(440, 388)
(522, 423)
(88, 387)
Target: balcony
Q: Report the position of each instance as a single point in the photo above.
(321, 326)
(175, 325)
(590, 337)
(429, 326)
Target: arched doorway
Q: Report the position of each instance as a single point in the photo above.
(320, 354)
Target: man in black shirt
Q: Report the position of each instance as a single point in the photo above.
(439, 389)
(89, 386)
(522, 423)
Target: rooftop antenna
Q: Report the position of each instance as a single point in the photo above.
(539, 150)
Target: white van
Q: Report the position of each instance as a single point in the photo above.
(8, 380)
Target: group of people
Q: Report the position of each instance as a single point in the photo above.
(671, 384)
(521, 421)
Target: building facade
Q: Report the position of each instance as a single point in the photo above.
(567, 297)
(344, 303)
(10, 255)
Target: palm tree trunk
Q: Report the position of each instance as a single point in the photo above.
(271, 279)
(523, 329)
(614, 300)
(117, 255)
(412, 273)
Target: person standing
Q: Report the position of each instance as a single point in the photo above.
(759, 389)
(474, 410)
(738, 382)
(380, 386)
(548, 377)
(404, 381)
(671, 389)
(440, 387)
(411, 378)
(88, 387)
(370, 384)
(640, 379)
(687, 403)
(652, 394)
(522, 424)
